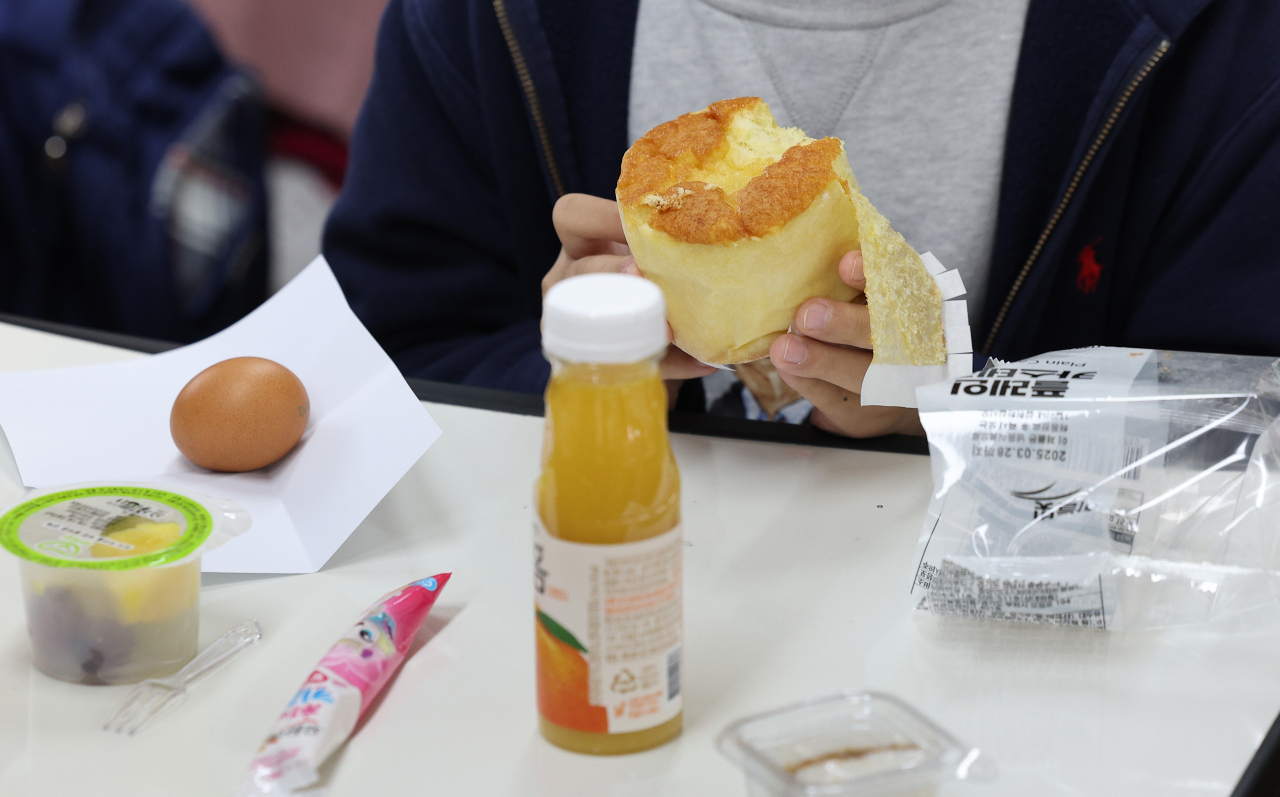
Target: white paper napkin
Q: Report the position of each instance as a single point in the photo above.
(111, 423)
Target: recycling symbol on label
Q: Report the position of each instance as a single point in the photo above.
(624, 682)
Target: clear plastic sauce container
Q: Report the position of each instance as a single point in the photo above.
(111, 576)
(853, 743)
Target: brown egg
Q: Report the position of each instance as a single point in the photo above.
(241, 414)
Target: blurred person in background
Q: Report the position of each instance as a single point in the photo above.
(131, 158)
(314, 59)
(163, 171)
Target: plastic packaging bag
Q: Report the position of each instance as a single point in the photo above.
(1108, 488)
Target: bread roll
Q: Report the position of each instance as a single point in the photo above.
(739, 221)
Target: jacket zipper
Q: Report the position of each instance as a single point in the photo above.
(1161, 50)
(530, 94)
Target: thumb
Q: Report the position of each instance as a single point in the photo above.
(851, 270)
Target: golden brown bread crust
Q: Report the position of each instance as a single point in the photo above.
(696, 213)
(787, 188)
(656, 172)
(672, 151)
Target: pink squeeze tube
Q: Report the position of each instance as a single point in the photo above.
(327, 707)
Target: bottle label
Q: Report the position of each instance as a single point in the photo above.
(609, 631)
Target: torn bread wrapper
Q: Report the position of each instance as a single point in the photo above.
(893, 384)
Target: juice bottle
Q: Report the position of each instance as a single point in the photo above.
(607, 541)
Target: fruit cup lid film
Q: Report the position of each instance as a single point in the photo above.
(117, 526)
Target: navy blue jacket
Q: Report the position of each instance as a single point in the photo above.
(1138, 201)
(131, 170)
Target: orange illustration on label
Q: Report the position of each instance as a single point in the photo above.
(563, 680)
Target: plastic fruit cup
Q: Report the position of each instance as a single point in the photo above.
(111, 576)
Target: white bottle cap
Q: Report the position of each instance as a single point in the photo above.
(604, 318)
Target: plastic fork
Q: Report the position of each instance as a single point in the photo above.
(151, 697)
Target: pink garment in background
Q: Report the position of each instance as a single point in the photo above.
(315, 57)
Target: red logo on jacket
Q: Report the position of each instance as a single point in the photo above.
(1090, 268)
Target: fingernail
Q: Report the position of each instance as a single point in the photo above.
(855, 274)
(629, 267)
(817, 315)
(795, 352)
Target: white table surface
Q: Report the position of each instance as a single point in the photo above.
(796, 570)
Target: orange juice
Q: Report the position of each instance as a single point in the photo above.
(607, 545)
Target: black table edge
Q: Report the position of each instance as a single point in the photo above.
(688, 422)
(120, 341)
(530, 404)
(1261, 778)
